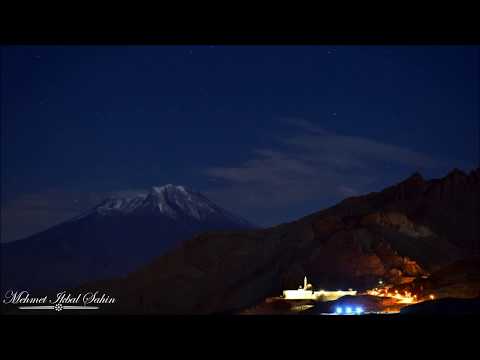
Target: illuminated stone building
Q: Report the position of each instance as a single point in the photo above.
(307, 293)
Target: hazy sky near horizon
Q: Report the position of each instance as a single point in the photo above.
(271, 133)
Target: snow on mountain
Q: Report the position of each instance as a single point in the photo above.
(173, 201)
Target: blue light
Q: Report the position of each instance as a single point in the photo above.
(358, 310)
(348, 310)
(338, 310)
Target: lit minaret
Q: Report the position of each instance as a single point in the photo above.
(305, 283)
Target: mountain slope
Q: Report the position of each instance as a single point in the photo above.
(112, 238)
(403, 231)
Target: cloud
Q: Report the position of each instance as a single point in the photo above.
(30, 213)
(265, 167)
(34, 212)
(304, 124)
(312, 167)
(353, 152)
(347, 191)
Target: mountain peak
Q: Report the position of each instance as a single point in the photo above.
(169, 187)
(172, 201)
(456, 172)
(416, 177)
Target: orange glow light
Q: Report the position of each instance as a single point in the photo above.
(405, 298)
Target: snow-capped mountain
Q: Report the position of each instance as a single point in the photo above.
(174, 202)
(112, 238)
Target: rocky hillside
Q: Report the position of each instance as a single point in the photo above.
(397, 234)
(460, 279)
(450, 206)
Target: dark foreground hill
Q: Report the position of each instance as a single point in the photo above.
(446, 306)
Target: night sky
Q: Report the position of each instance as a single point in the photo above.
(271, 133)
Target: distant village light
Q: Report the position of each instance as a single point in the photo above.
(406, 298)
